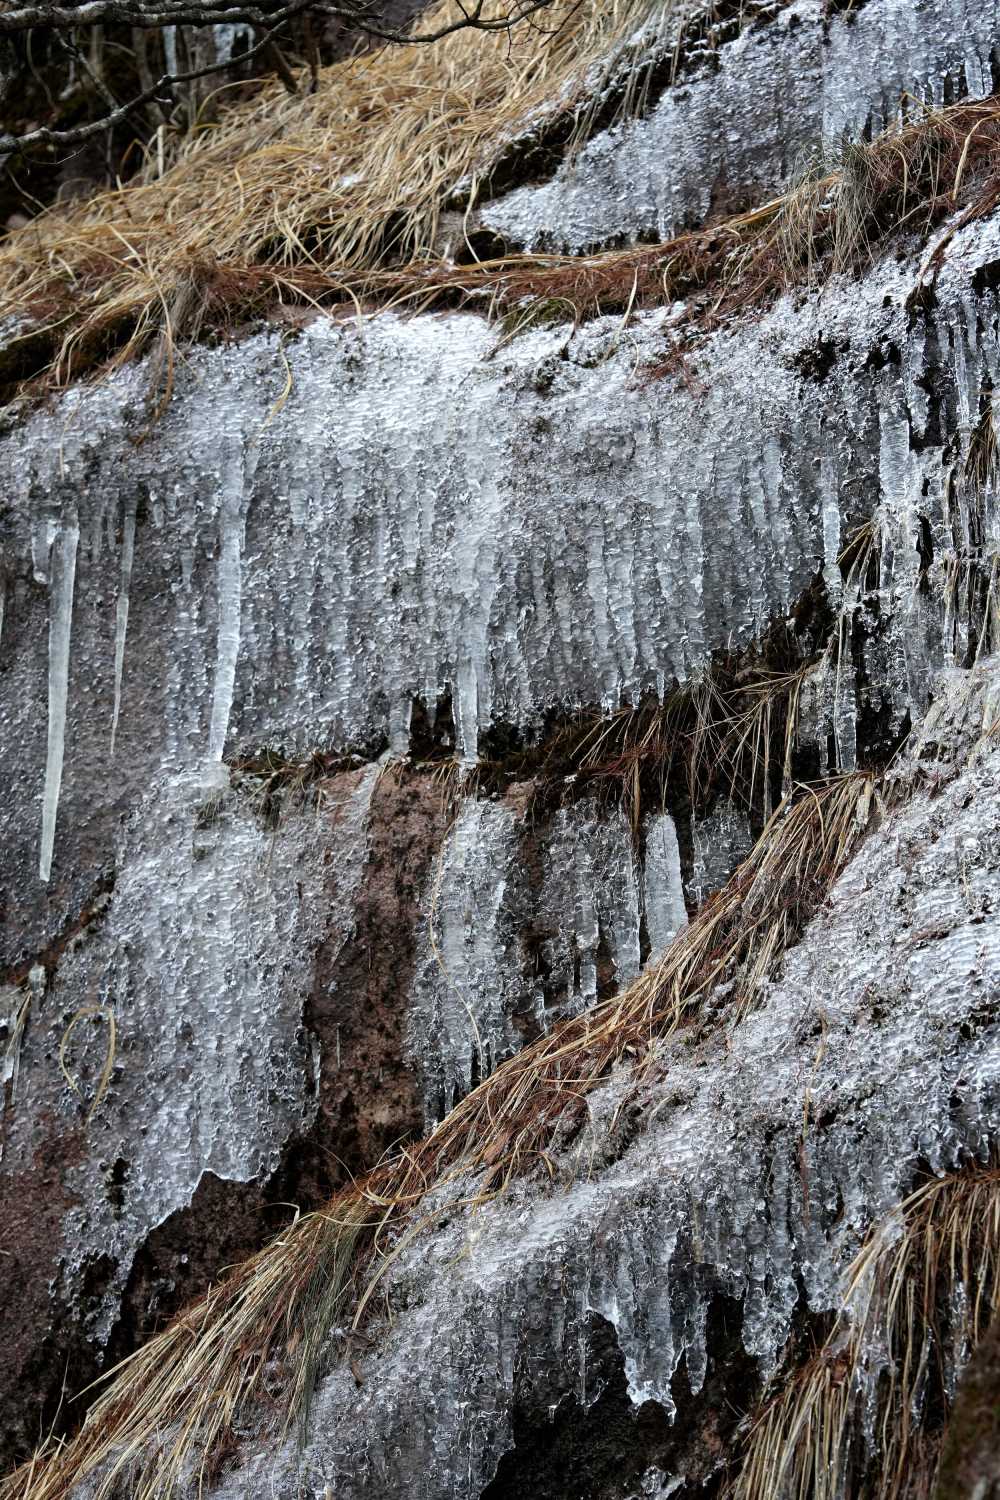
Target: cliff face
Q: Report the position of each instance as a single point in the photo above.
(398, 696)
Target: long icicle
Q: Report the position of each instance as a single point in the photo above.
(60, 623)
(121, 621)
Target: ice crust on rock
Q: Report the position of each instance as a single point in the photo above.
(722, 840)
(591, 899)
(724, 1192)
(524, 532)
(204, 957)
(470, 976)
(479, 985)
(758, 109)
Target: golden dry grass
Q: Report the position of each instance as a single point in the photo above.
(175, 1403)
(329, 181)
(924, 1289)
(830, 220)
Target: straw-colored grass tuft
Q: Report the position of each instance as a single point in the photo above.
(831, 219)
(255, 1340)
(919, 1296)
(286, 192)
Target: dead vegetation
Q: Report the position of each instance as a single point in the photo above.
(287, 193)
(919, 1296)
(731, 732)
(832, 219)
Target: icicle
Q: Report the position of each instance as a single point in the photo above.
(42, 536)
(400, 720)
(830, 495)
(170, 48)
(60, 622)
(230, 584)
(664, 884)
(121, 623)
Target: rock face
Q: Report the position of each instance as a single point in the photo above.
(295, 853)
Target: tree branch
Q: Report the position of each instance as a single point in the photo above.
(266, 19)
(44, 136)
(152, 14)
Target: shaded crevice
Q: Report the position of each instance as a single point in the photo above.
(604, 1448)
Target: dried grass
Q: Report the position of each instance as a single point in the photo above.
(919, 1296)
(287, 192)
(335, 198)
(100, 1012)
(258, 1336)
(19, 1003)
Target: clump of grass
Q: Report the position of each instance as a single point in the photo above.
(286, 194)
(258, 1337)
(334, 197)
(919, 1297)
(721, 731)
(982, 464)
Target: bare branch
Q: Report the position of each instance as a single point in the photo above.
(267, 17)
(154, 14)
(472, 20)
(44, 136)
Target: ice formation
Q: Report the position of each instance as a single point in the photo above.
(60, 627)
(788, 91)
(471, 496)
(121, 612)
(502, 954)
(469, 980)
(517, 531)
(204, 957)
(765, 1154)
(663, 894)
